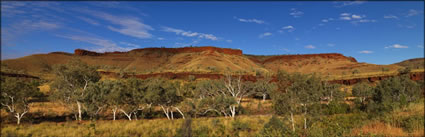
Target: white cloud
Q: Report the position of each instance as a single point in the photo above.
(345, 14)
(104, 45)
(178, 44)
(190, 33)
(354, 16)
(130, 44)
(88, 20)
(413, 12)
(12, 32)
(421, 46)
(345, 18)
(288, 28)
(325, 20)
(265, 34)
(331, 44)
(250, 20)
(295, 13)
(351, 3)
(160, 38)
(366, 20)
(366, 52)
(130, 26)
(229, 41)
(390, 17)
(286, 50)
(397, 46)
(310, 47)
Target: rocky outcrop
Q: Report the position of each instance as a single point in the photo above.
(413, 76)
(228, 51)
(18, 75)
(307, 56)
(193, 49)
(82, 52)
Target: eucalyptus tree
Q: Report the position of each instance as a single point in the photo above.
(264, 86)
(296, 92)
(96, 97)
(131, 96)
(285, 101)
(71, 82)
(362, 91)
(164, 93)
(395, 92)
(220, 104)
(309, 88)
(114, 98)
(236, 88)
(15, 95)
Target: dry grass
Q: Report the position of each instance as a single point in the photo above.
(379, 128)
(157, 127)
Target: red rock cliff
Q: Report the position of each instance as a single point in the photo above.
(229, 51)
(306, 56)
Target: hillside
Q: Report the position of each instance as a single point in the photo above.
(201, 60)
(416, 63)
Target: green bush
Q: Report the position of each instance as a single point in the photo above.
(413, 122)
(274, 128)
(337, 108)
(238, 125)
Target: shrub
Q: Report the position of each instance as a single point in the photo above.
(238, 125)
(337, 108)
(413, 122)
(274, 128)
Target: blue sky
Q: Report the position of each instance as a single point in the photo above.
(372, 32)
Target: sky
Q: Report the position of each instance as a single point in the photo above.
(371, 32)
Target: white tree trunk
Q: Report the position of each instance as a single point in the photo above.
(135, 114)
(114, 111)
(180, 112)
(19, 119)
(79, 110)
(19, 116)
(292, 120)
(165, 112)
(232, 110)
(172, 115)
(127, 114)
(305, 123)
(264, 97)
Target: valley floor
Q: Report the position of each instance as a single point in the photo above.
(402, 122)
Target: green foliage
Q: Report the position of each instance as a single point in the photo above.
(16, 94)
(413, 123)
(404, 71)
(274, 128)
(162, 92)
(362, 91)
(71, 82)
(238, 125)
(394, 93)
(335, 107)
(263, 87)
(335, 126)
